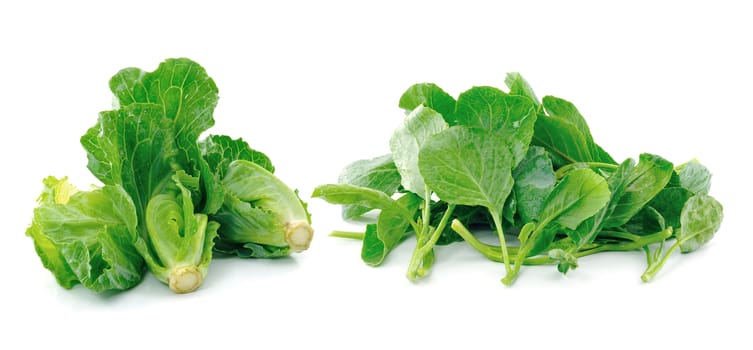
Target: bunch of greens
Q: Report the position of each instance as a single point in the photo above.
(168, 199)
(517, 165)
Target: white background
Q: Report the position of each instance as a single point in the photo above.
(315, 85)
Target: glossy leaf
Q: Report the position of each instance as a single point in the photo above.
(428, 95)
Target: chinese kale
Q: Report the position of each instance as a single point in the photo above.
(168, 199)
(514, 164)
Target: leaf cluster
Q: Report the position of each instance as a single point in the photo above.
(168, 199)
(528, 170)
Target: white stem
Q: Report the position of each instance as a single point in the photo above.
(298, 234)
(185, 279)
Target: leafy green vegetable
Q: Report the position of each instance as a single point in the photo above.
(164, 191)
(508, 162)
(418, 127)
(377, 173)
(694, 177)
(390, 229)
(261, 209)
(470, 167)
(428, 95)
(87, 237)
(534, 180)
(510, 117)
(700, 219)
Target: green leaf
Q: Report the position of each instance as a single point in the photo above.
(468, 167)
(377, 173)
(87, 237)
(560, 108)
(695, 177)
(669, 202)
(389, 231)
(587, 231)
(520, 87)
(241, 222)
(280, 219)
(562, 139)
(428, 95)
(179, 241)
(418, 127)
(220, 150)
(251, 250)
(534, 179)
(578, 196)
(512, 117)
(643, 183)
(187, 97)
(350, 194)
(701, 218)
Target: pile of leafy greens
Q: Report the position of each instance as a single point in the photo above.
(519, 166)
(168, 199)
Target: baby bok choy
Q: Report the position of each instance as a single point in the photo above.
(169, 200)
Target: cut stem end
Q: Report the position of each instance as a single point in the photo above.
(298, 234)
(185, 279)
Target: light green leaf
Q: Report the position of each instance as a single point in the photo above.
(468, 167)
(695, 177)
(579, 195)
(418, 127)
(87, 237)
(520, 87)
(701, 218)
(250, 183)
(377, 173)
(389, 231)
(560, 108)
(349, 194)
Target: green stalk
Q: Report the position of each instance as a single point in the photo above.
(502, 243)
(424, 248)
(560, 173)
(348, 235)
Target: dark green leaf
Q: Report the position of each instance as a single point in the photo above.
(644, 181)
(534, 179)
